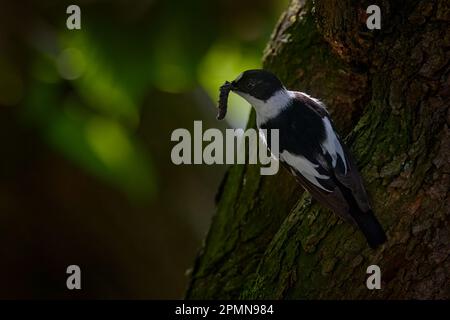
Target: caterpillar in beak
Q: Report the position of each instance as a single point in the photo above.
(223, 100)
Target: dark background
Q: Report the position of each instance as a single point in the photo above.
(85, 123)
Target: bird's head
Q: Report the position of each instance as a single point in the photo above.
(263, 90)
(257, 84)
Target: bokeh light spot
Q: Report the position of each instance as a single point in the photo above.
(71, 64)
(109, 141)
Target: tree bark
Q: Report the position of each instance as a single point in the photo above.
(388, 93)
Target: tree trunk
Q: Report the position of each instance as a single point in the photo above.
(388, 92)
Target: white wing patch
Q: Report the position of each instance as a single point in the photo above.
(331, 144)
(305, 167)
(320, 103)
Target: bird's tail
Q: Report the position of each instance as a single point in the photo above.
(371, 228)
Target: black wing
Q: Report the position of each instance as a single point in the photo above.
(335, 181)
(323, 165)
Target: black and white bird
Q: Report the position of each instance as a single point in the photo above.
(310, 148)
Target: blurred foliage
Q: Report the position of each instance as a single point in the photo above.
(85, 123)
(87, 85)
